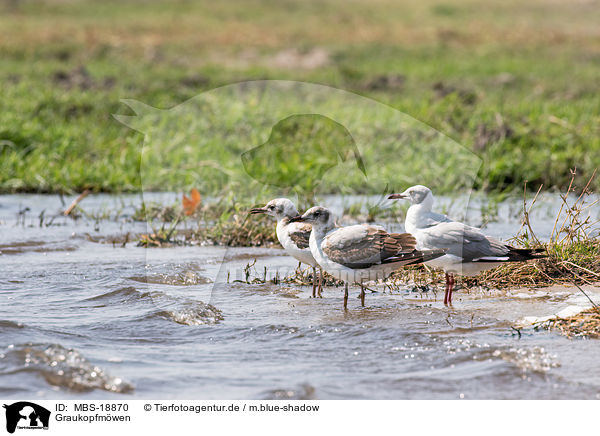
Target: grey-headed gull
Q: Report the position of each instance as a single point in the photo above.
(469, 250)
(293, 236)
(359, 253)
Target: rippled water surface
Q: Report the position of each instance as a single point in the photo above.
(87, 319)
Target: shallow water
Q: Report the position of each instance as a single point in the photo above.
(84, 319)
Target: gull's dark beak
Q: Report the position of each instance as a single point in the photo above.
(397, 196)
(297, 219)
(257, 210)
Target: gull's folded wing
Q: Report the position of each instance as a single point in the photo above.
(362, 246)
(300, 234)
(463, 241)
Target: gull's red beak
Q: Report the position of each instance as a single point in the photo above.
(297, 219)
(257, 210)
(397, 196)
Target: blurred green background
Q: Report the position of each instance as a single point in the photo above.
(515, 82)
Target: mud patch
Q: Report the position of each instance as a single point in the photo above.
(116, 240)
(385, 82)
(81, 78)
(5, 325)
(33, 246)
(442, 90)
(491, 134)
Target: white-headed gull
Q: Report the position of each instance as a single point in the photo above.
(469, 250)
(359, 253)
(293, 236)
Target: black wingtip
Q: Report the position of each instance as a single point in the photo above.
(415, 257)
(523, 254)
(427, 255)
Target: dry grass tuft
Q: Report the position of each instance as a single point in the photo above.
(585, 324)
(222, 223)
(573, 251)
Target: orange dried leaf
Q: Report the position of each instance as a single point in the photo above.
(191, 204)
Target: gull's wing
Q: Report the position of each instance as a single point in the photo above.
(362, 246)
(299, 233)
(463, 241)
(433, 219)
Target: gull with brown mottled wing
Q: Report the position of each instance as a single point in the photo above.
(359, 253)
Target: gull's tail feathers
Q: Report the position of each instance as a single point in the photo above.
(516, 255)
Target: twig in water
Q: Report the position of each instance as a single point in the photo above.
(76, 202)
(173, 227)
(527, 210)
(583, 292)
(574, 284)
(573, 172)
(125, 241)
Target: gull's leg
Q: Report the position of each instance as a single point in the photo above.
(450, 289)
(346, 297)
(447, 289)
(320, 282)
(362, 295)
(315, 283)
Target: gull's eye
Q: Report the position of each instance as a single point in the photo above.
(271, 207)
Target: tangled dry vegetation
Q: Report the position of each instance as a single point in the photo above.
(573, 250)
(222, 223)
(585, 324)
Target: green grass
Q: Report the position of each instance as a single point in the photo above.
(514, 83)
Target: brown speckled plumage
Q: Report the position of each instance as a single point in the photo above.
(364, 246)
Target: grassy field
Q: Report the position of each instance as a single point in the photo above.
(516, 83)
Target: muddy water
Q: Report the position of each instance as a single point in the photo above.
(86, 319)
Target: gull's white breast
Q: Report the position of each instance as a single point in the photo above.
(303, 255)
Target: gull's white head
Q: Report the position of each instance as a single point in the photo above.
(417, 194)
(278, 208)
(320, 217)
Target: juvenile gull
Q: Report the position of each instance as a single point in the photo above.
(469, 250)
(359, 253)
(293, 236)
